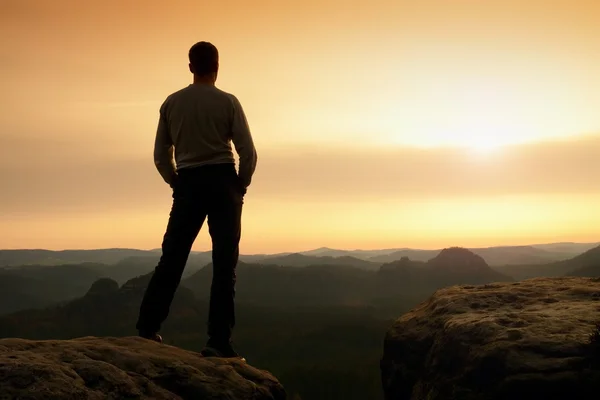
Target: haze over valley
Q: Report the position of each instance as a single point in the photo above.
(303, 300)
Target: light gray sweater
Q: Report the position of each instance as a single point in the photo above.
(196, 127)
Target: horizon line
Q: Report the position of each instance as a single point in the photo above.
(324, 248)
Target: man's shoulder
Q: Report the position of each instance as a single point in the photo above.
(169, 99)
(230, 99)
(228, 95)
(177, 93)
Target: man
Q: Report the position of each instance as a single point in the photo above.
(193, 154)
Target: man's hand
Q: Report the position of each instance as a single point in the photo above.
(174, 181)
(241, 187)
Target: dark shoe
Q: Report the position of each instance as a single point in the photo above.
(155, 337)
(220, 349)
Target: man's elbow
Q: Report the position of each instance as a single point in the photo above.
(159, 164)
(164, 166)
(249, 161)
(253, 156)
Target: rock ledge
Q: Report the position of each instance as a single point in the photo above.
(513, 341)
(125, 368)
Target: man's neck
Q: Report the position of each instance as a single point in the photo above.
(204, 80)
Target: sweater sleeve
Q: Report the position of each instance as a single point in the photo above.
(164, 150)
(244, 144)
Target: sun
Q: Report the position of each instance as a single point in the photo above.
(484, 143)
(486, 136)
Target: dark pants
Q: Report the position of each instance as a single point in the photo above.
(215, 192)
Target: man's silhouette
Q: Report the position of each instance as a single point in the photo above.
(193, 154)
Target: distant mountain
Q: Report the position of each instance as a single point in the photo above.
(311, 280)
(105, 309)
(20, 293)
(128, 268)
(325, 251)
(362, 254)
(41, 286)
(504, 255)
(463, 265)
(588, 264)
(570, 248)
(515, 255)
(415, 255)
(301, 260)
(347, 285)
(103, 287)
(254, 258)
(132, 267)
(320, 252)
(275, 285)
(589, 271)
(581, 264)
(452, 266)
(501, 255)
(49, 257)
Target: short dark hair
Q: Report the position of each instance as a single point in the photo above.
(204, 58)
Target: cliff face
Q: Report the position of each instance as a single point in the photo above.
(519, 340)
(125, 368)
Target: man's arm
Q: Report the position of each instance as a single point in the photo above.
(244, 145)
(163, 151)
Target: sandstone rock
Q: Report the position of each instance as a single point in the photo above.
(521, 340)
(103, 286)
(125, 368)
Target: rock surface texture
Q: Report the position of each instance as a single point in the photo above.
(124, 368)
(524, 340)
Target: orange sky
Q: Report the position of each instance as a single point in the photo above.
(382, 123)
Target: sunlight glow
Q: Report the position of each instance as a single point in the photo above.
(479, 113)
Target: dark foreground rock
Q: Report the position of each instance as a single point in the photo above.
(124, 368)
(512, 341)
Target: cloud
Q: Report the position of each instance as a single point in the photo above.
(53, 177)
(559, 167)
(117, 104)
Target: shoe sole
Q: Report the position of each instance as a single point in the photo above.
(156, 339)
(210, 352)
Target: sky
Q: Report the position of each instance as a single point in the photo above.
(378, 124)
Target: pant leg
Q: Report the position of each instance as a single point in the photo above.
(186, 218)
(224, 221)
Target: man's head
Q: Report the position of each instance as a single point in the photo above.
(204, 61)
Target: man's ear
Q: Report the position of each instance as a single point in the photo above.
(191, 68)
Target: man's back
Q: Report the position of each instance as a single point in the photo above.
(199, 119)
(197, 125)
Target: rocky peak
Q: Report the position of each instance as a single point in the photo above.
(103, 286)
(401, 264)
(458, 259)
(137, 284)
